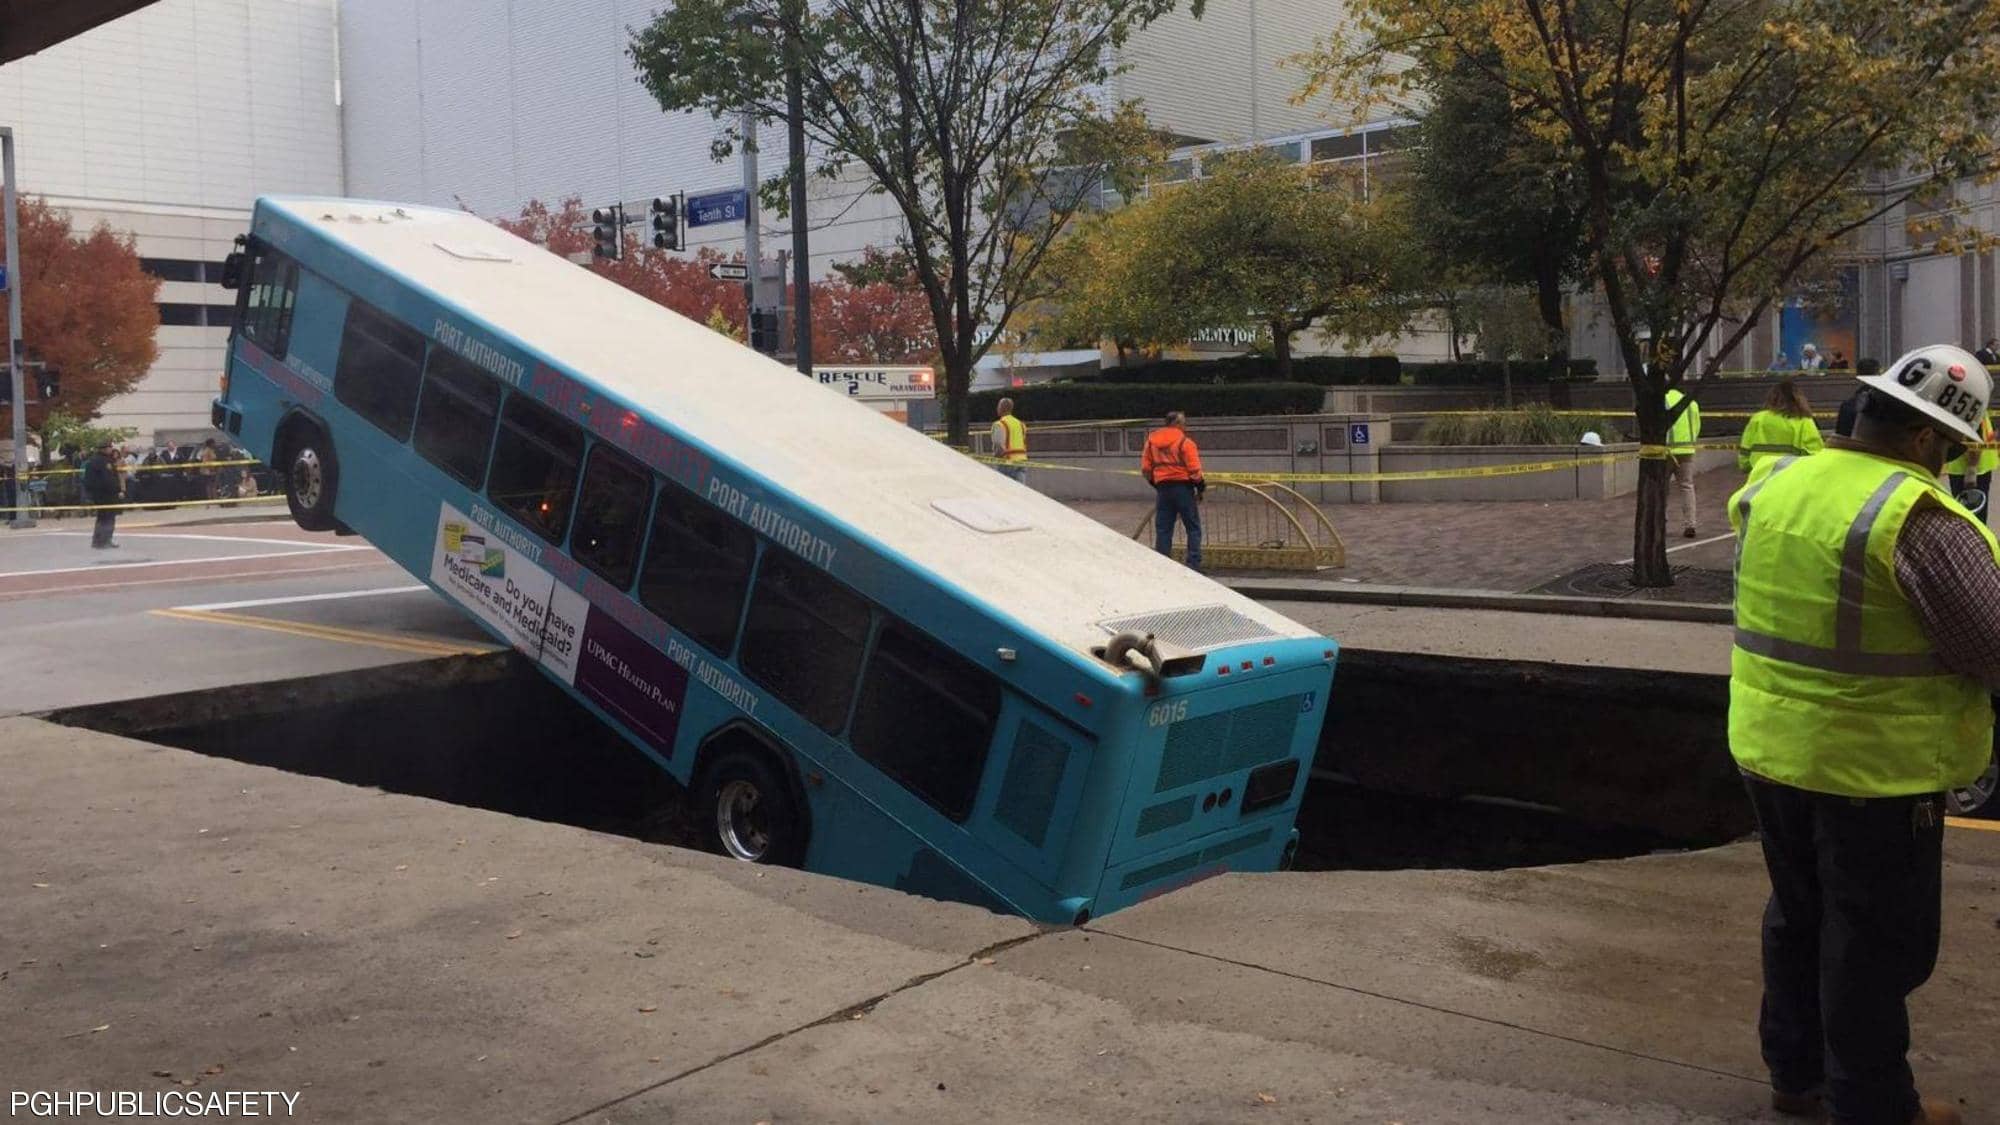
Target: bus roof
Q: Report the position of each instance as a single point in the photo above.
(1062, 574)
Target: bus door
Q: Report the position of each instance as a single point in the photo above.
(1031, 797)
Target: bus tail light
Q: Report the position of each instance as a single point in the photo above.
(1269, 785)
(1270, 660)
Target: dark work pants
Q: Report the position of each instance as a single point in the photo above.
(1850, 931)
(1171, 500)
(100, 535)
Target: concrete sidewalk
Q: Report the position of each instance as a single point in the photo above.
(169, 919)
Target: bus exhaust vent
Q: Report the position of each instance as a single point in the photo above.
(1213, 745)
(1028, 791)
(1196, 630)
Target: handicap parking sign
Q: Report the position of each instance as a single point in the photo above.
(1357, 433)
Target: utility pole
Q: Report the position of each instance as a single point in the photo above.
(753, 250)
(15, 376)
(802, 322)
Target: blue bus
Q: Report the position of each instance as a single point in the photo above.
(858, 651)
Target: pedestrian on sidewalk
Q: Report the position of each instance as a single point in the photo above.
(1171, 463)
(1681, 436)
(1867, 643)
(1010, 441)
(100, 486)
(1784, 428)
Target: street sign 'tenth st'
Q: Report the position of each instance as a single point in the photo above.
(717, 207)
(729, 271)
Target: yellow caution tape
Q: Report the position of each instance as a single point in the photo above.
(37, 509)
(1517, 469)
(123, 468)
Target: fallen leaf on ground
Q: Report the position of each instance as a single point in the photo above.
(163, 1074)
(402, 867)
(1267, 1099)
(40, 886)
(513, 935)
(986, 960)
(649, 1007)
(100, 1027)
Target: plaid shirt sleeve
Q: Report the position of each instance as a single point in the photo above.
(1952, 581)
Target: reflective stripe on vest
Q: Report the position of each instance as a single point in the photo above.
(1016, 448)
(1834, 686)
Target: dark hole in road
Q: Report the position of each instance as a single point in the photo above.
(505, 739)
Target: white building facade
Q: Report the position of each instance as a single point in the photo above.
(166, 124)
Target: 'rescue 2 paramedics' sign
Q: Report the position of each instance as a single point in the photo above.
(879, 382)
(489, 568)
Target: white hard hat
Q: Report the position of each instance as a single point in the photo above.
(1942, 382)
(1590, 438)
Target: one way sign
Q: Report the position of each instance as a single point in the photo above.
(729, 271)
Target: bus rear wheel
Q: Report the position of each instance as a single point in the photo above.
(311, 479)
(746, 811)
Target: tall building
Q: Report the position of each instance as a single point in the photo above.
(166, 124)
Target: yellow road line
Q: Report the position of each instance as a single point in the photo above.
(391, 641)
(1975, 825)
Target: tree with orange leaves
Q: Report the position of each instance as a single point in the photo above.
(87, 310)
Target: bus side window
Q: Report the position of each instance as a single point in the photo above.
(926, 718)
(267, 309)
(534, 466)
(804, 638)
(455, 417)
(381, 362)
(697, 569)
(611, 515)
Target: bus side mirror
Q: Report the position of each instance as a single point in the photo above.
(232, 270)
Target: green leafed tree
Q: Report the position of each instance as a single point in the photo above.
(1255, 241)
(1718, 150)
(984, 121)
(1492, 202)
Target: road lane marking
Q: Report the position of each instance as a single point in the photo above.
(177, 562)
(392, 641)
(225, 539)
(297, 598)
(62, 591)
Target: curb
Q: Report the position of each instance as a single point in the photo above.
(1428, 597)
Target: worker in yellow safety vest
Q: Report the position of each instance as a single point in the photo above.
(1010, 441)
(1681, 436)
(1867, 642)
(1785, 427)
(1967, 471)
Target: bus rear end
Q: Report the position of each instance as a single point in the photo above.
(1219, 764)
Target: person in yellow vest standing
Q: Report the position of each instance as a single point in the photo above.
(1974, 468)
(1681, 436)
(1010, 441)
(1867, 642)
(1784, 428)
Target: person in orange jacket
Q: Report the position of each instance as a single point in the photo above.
(1171, 463)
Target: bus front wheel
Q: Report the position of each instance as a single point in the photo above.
(747, 811)
(311, 478)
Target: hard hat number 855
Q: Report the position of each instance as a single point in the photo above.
(1959, 403)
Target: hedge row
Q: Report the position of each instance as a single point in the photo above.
(1321, 370)
(1492, 373)
(1340, 371)
(1065, 402)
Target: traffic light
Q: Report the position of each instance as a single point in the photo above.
(764, 330)
(667, 222)
(48, 382)
(607, 226)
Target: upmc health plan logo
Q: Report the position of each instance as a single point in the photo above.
(468, 545)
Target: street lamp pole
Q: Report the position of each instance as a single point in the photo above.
(15, 376)
(802, 340)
